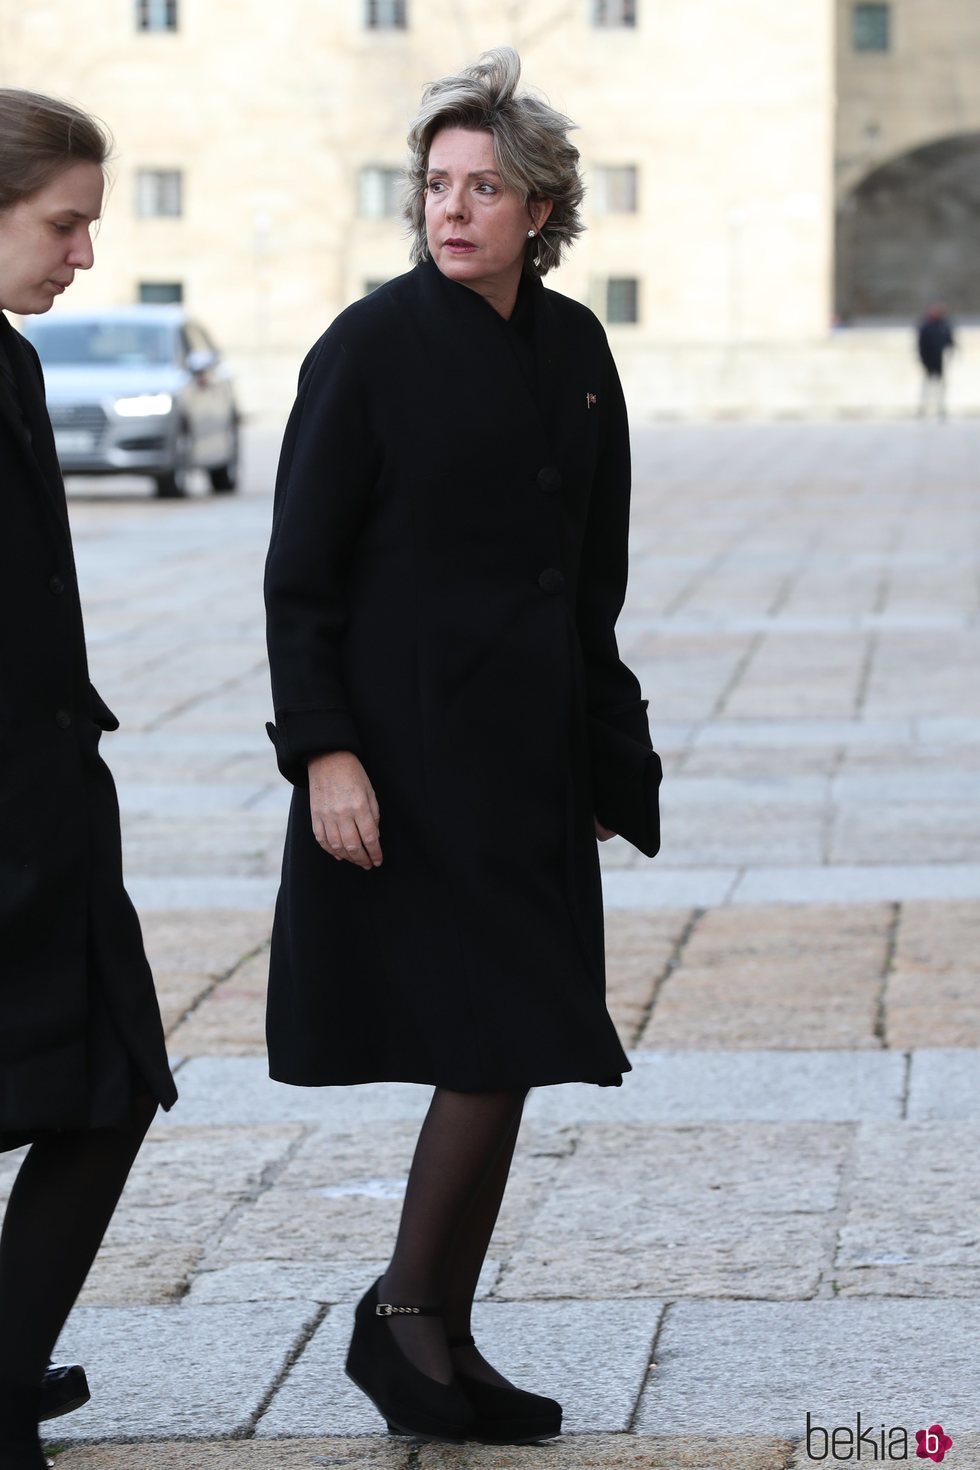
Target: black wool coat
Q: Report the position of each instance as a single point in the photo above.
(448, 560)
(74, 980)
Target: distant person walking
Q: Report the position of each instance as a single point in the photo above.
(935, 340)
(82, 1058)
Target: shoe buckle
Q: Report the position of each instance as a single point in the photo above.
(383, 1309)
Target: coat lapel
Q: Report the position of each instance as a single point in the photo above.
(35, 442)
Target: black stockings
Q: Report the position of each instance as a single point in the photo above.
(453, 1196)
(60, 1206)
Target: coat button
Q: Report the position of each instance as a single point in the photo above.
(549, 479)
(56, 585)
(551, 580)
(62, 719)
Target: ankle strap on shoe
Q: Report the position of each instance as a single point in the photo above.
(385, 1309)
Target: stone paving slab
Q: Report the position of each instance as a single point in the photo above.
(239, 1091)
(185, 1186)
(230, 1019)
(339, 1198)
(696, 1086)
(327, 1281)
(583, 1452)
(911, 1224)
(851, 884)
(640, 949)
(593, 1355)
(175, 891)
(933, 995)
(384, 1453)
(614, 1452)
(685, 1210)
(749, 1086)
(668, 888)
(758, 1366)
(944, 1084)
(161, 1372)
(212, 942)
(728, 986)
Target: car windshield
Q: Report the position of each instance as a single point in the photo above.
(103, 344)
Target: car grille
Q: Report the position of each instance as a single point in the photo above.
(79, 430)
(78, 416)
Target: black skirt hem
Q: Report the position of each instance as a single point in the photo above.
(515, 1084)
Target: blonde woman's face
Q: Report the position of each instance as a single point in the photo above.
(476, 225)
(45, 239)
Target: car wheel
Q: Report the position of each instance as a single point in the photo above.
(172, 484)
(224, 477)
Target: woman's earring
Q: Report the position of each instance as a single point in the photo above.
(531, 234)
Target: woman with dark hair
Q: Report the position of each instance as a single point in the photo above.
(447, 565)
(83, 1064)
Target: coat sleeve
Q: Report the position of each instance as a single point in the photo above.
(626, 772)
(326, 471)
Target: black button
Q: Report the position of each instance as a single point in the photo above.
(62, 719)
(551, 580)
(549, 479)
(57, 586)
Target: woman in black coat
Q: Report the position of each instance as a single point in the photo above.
(447, 564)
(82, 1057)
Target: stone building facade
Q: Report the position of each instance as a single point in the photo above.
(742, 160)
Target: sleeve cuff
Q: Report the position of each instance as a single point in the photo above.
(299, 734)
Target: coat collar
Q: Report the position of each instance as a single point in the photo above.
(38, 449)
(478, 346)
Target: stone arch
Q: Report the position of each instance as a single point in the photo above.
(908, 234)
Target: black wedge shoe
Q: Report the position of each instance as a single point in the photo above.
(507, 1415)
(409, 1400)
(64, 1388)
(20, 1448)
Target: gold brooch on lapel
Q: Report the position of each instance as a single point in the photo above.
(590, 400)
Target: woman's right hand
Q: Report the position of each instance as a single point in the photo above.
(344, 809)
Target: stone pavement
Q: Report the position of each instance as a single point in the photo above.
(777, 1215)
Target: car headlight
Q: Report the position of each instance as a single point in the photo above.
(143, 405)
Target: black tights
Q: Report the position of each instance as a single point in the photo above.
(452, 1200)
(59, 1209)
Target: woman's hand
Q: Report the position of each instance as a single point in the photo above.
(601, 832)
(344, 809)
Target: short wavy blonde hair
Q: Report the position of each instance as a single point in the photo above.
(530, 141)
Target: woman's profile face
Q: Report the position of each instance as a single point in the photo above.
(476, 225)
(44, 239)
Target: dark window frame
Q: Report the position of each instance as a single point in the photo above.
(390, 181)
(614, 15)
(160, 293)
(386, 15)
(871, 28)
(161, 190)
(149, 13)
(613, 287)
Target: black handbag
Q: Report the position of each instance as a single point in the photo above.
(626, 777)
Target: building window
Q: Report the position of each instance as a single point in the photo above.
(160, 293)
(613, 13)
(159, 193)
(386, 15)
(872, 27)
(615, 190)
(156, 15)
(622, 299)
(379, 192)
